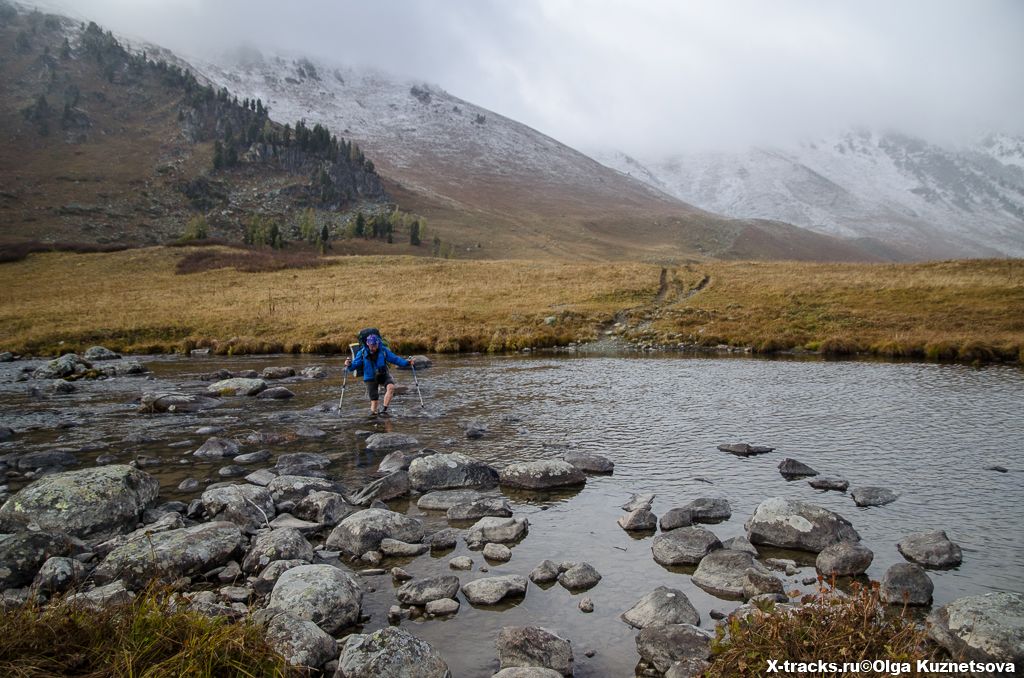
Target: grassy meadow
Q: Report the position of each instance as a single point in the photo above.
(166, 299)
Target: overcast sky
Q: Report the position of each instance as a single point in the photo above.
(648, 76)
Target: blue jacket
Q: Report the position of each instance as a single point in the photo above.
(384, 355)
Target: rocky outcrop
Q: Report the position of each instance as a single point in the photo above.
(322, 594)
(391, 651)
(525, 646)
(788, 523)
(984, 628)
(448, 471)
(930, 549)
(94, 503)
(542, 475)
(363, 531)
(167, 556)
(661, 606)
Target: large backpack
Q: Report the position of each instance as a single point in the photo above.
(363, 335)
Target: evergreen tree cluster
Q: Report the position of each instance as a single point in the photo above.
(264, 231)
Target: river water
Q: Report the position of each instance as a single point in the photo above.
(926, 431)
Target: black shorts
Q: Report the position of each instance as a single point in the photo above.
(373, 388)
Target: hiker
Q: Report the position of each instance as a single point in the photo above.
(374, 358)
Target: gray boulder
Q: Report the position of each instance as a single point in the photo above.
(442, 500)
(788, 523)
(845, 559)
(930, 549)
(722, 572)
(166, 523)
(442, 607)
(740, 544)
(640, 520)
(307, 464)
(58, 574)
(527, 672)
(250, 507)
(217, 448)
(256, 457)
(399, 460)
(676, 518)
(663, 645)
(829, 483)
(322, 594)
(497, 552)
(442, 540)
(167, 556)
(499, 530)
(295, 488)
(176, 403)
(580, 577)
(791, 468)
(481, 508)
(906, 583)
(541, 475)
(391, 486)
(394, 548)
(275, 393)
(283, 544)
(545, 573)
(448, 471)
(984, 628)
(23, 553)
(382, 442)
(101, 597)
(639, 501)
(301, 642)
(68, 365)
(364, 530)
(873, 496)
(589, 463)
(757, 582)
(391, 651)
(422, 591)
(684, 546)
(709, 510)
(314, 372)
(661, 606)
(526, 646)
(277, 372)
(237, 386)
(323, 507)
(272, 572)
(490, 590)
(95, 503)
(744, 450)
(100, 353)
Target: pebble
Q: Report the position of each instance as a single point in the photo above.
(461, 563)
(398, 574)
(588, 653)
(587, 605)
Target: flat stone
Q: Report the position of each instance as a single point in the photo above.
(400, 549)
(442, 500)
(684, 546)
(745, 450)
(380, 442)
(829, 483)
(481, 508)
(709, 510)
(541, 475)
(262, 477)
(873, 496)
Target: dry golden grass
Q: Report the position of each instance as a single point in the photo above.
(134, 301)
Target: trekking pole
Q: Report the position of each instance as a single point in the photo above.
(344, 381)
(417, 382)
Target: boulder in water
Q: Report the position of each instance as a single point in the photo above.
(589, 463)
(684, 546)
(450, 471)
(845, 559)
(985, 628)
(391, 651)
(322, 594)
(788, 523)
(100, 353)
(930, 549)
(906, 584)
(422, 591)
(873, 496)
(661, 606)
(237, 386)
(744, 450)
(791, 468)
(364, 530)
(532, 646)
(282, 544)
(541, 475)
(491, 590)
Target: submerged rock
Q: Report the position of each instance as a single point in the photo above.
(791, 468)
(930, 549)
(661, 606)
(663, 645)
(640, 520)
(745, 450)
(541, 475)
(684, 546)
(237, 386)
(490, 590)
(984, 628)
(176, 402)
(709, 510)
(364, 530)
(391, 651)
(322, 594)
(845, 559)
(589, 463)
(442, 500)
(380, 442)
(422, 591)
(167, 556)
(526, 646)
(275, 393)
(873, 496)
(499, 530)
(906, 583)
(448, 471)
(788, 523)
(829, 483)
(89, 503)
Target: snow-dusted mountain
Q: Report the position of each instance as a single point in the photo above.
(922, 199)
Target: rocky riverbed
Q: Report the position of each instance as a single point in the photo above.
(574, 514)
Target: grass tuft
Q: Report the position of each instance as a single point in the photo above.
(148, 636)
(829, 626)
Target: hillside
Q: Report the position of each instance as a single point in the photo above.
(494, 186)
(898, 192)
(105, 145)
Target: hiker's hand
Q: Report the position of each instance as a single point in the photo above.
(348, 361)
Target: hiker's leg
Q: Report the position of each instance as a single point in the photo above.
(373, 391)
(389, 394)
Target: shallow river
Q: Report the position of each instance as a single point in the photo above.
(926, 431)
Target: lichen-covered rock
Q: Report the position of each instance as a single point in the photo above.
(283, 544)
(113, 594)
(845, 559)
(930, 549)
(788, 523)
(722, 573)
(94, 503)
(237, 386)
(58, 574)
(324, 507)
(68, 365)
(167, 556)
(100, 353)
(490, 590)
(322, 594)
(217, 448)
(448, 471)
(391, 651)
(541, 475)
(499, 530)
(392, 486)
(662, 646)
(684, 546)
(248, 506)
(23, 553)
(301, 642)
(481, 508)
(524, 646)
(661, 606)
(277, 372)
(363, 531)
(295, 488)
(442, 500)
(423, 591)
(984, 628)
